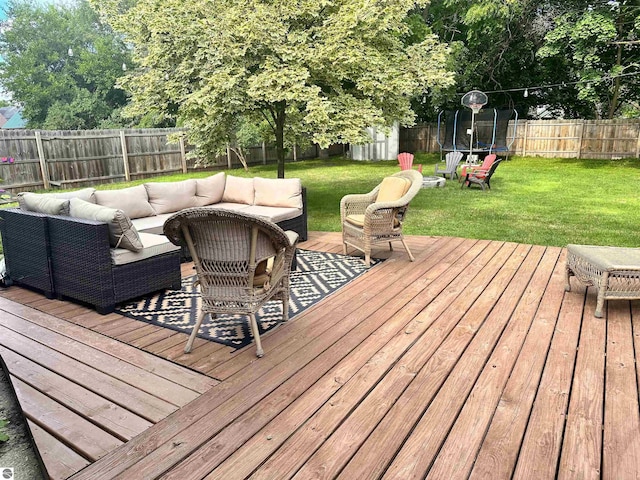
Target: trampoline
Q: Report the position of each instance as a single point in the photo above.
(491, 131)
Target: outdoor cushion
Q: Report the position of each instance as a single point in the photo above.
(238, 190)
(167, 197)
(121, 231)
(133, 201)
(45, 204)
(153, 245)
(392, 189)
(607, 258)
(274, 214)
(238, 207)
(153, 224)
(87, 194)
(354, 219)
(209, 190)
(280, 192)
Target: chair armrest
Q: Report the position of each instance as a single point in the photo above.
(355, 204)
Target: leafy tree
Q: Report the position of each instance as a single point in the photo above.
(322, 68)
(60, 63)
(597, 45)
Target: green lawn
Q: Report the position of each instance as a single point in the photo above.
(533, 200)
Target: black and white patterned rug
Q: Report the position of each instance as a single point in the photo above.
(318, 275)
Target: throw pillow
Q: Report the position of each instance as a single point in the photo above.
(45, 204)
(238, 190)
(280, 192)
(167, 197)
(210, 190)
(392, 189)
(122, 233)
(133, 201)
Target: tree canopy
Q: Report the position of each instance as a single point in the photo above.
(322, 68)
(60, 63)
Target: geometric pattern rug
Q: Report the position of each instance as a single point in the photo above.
(318, 274)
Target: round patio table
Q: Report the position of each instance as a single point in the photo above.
(431, 182)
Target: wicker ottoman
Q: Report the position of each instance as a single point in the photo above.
(613, 271)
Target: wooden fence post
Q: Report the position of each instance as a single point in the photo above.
(125, 155)
(524, 140)
(638, 142)
(183, 154)
(264, 153)
(579, 153)
(44, 170)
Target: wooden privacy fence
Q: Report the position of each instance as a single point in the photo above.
(36, 159)
(617, 138)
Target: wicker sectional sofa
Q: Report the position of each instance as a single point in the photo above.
(103, 247)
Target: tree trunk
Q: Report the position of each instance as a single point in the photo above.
(616, 87)
(280, 120)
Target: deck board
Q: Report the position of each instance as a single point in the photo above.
(471, 362)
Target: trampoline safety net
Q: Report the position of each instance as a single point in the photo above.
(491, 130)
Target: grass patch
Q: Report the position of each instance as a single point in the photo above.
(539, 201)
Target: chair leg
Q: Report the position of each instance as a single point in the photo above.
(256, 335)
(604, 284)
(285, 308)
(390, 247)
(367, 259)
(406, 247)
(194, 332)
(567, 276)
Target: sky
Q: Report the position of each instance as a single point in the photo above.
(3, 4)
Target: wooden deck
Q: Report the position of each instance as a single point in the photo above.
(471, 362)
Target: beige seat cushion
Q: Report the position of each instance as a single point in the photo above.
(210, 190)
(357, 220)
(167, 197)
(280, 192)
(153, 224)
(607, 258)
(238, 190)
(274, 214)
(122, 233)
(153, 245)
(392, 189)
(133, 201)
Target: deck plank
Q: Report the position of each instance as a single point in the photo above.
(620, 444)
(59, 460)
(582, 444)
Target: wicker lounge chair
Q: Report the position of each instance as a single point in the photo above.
(613, 271)
(242, 261)
(450, 167)
(373, 218)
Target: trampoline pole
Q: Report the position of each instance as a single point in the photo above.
(473, 117)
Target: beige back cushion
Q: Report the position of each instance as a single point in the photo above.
(167, 197)
(45, 204)
(122, 233)
(133, 201)
(210, 190)
(392, 189)
(86, 194)
(280, 192)
(238, 190)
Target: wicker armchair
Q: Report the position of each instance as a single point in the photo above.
(367, 222)
(242, 261)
